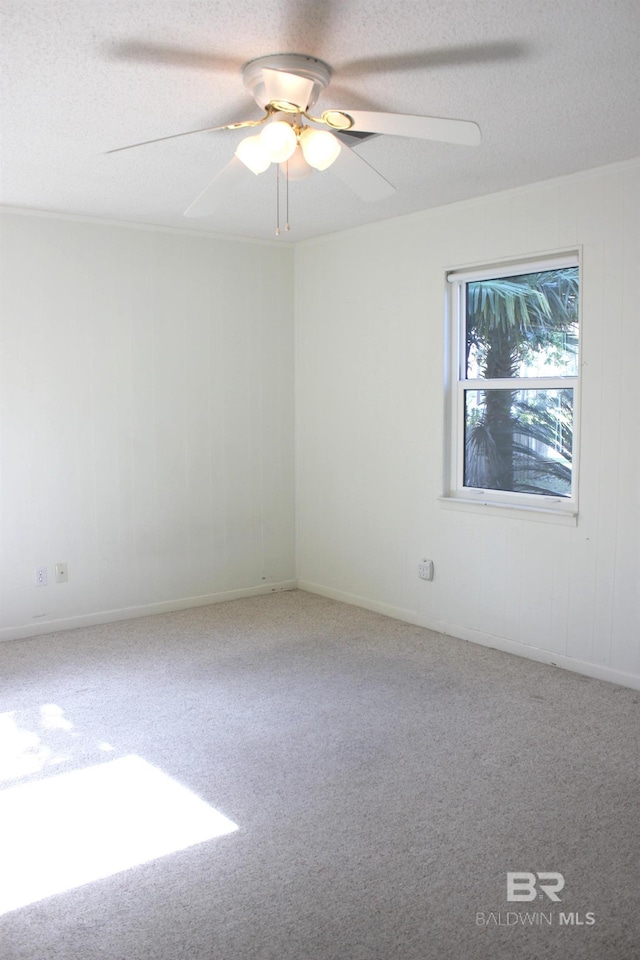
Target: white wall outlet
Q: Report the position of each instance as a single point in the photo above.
(425, 569)
(41, 576)
(62, 573)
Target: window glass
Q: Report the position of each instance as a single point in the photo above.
(523, 326)
(519, 440)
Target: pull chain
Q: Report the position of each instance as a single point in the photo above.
(277, 199)
(286, 226)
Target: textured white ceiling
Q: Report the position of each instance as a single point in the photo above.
(554, 86)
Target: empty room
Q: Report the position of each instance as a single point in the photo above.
(319, 459)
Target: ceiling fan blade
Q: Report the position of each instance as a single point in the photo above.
(227, 180)
(279, 85)
(174, 56)
(502, 50)
(174, 136)
(422, 128)
(360, 176)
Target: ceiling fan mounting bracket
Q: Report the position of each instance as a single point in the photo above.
(298, 64)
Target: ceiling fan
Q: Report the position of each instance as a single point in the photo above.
(287, 87)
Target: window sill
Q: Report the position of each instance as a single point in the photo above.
(490, 508)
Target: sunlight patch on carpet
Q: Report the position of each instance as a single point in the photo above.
(64, 831)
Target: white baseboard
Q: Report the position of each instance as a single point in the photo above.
(147, 610)
(595, 670)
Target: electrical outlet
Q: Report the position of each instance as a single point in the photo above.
(425, 569)
(62, 573)
(41, 576)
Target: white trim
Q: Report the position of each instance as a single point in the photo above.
(38, 628)
(472, 202)
(584, 667)
(521, 383)
(145, 227)
(516, 511)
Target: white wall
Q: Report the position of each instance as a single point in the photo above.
(370, 411)
(146, 420)
(146, 425)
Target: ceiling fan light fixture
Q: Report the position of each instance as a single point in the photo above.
(278, 140)
(320, 148)
(251, 151)
(296, 167)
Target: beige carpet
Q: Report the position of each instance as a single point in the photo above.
(290, 778)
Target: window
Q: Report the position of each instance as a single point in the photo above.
(514, 384)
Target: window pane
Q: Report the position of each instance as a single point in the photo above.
(519, 440)
(523, 326)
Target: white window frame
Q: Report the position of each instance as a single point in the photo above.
(456, 384)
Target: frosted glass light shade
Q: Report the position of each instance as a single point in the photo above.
(296, 167)
(252, 152)
(279, 141)
(320, 147)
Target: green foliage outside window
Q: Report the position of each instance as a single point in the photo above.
(522, 328)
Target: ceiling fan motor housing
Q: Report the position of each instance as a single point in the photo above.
(297, 64)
